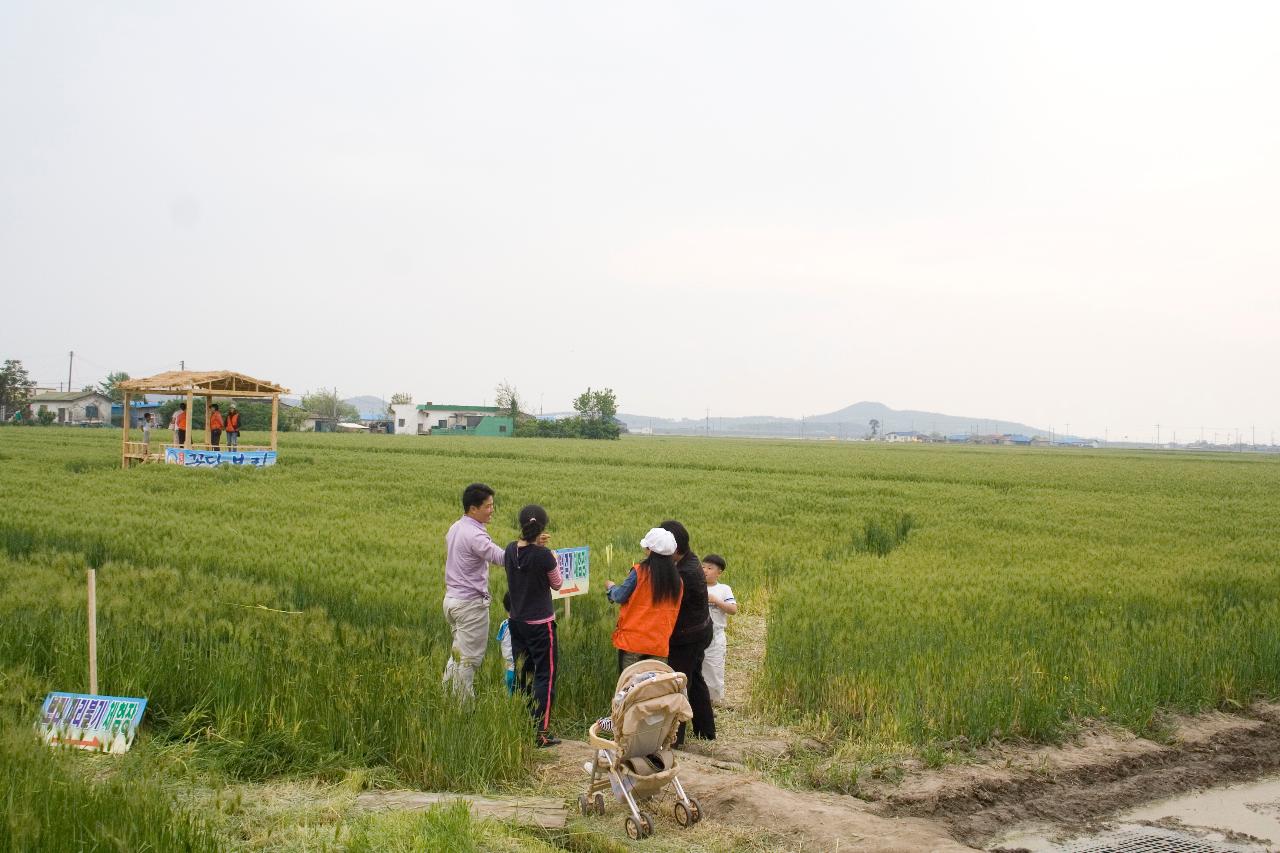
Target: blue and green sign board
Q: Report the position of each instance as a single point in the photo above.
(100, 723)
(575, 569)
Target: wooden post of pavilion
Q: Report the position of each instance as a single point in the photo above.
(124, 428)
(275, 418)
(191, 418)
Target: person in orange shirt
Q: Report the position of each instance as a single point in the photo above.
(180, 424)
(215, 426)
(233, 427)
(650, 599)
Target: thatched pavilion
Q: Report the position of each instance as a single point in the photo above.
(207, 384)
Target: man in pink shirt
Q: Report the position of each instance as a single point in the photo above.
(469, 551)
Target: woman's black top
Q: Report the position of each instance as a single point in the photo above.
(528, 584)
(693, 624)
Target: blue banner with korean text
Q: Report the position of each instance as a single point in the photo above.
(214, 458)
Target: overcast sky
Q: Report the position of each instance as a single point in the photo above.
(1046, 213)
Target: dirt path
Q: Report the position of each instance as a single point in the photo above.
(735, 800)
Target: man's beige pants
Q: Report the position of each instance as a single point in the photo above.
(468, 619)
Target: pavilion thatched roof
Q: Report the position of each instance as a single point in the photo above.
(226, 383)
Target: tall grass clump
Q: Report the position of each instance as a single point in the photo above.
(49, 804)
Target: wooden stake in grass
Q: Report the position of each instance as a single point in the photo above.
(93, 631)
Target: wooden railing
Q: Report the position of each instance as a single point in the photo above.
(154, 451)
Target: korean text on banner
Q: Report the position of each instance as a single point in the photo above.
(101, 723)
(575, 568)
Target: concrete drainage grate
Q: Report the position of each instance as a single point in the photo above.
(1150, 839)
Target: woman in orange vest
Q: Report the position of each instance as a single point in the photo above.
(215, 426)
(233, 427)
(650, 599)
(180, 424)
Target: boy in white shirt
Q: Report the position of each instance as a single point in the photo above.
(721, 603)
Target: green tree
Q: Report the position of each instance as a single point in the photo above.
(597, 412)
(875, 427)
(16, 388)
(599, 405)
(108, 386)
(327, 404)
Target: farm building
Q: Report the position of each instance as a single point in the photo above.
(75, 408)
(911, 435)
(317, 423)
(442, 419)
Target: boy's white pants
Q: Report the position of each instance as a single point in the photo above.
(713, 666)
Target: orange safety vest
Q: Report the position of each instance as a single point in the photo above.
(215, 420)
(182, 419)
(644, 627)
(233, 422)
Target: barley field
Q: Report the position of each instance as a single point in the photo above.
(286, 622)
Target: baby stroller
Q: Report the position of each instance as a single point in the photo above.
(639, 762)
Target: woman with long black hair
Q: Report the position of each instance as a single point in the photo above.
(532, 572)
(650, 599)
(692, 634)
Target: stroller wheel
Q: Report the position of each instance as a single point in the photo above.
(682, 815)
(634, 831)
(599, 801)
(695, 810)
(584, 805)
(646, 821)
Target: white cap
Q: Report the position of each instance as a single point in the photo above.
(659, 541)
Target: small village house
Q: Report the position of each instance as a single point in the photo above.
(317, 423)
(74, 408)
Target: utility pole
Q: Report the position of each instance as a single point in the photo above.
(182, 365)
(708, 427)
(1106, 436)
(1157, 435)
(71, 361)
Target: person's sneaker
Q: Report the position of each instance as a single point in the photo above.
(546, 739)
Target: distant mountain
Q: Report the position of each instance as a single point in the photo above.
(369, 406)
(849, 422)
